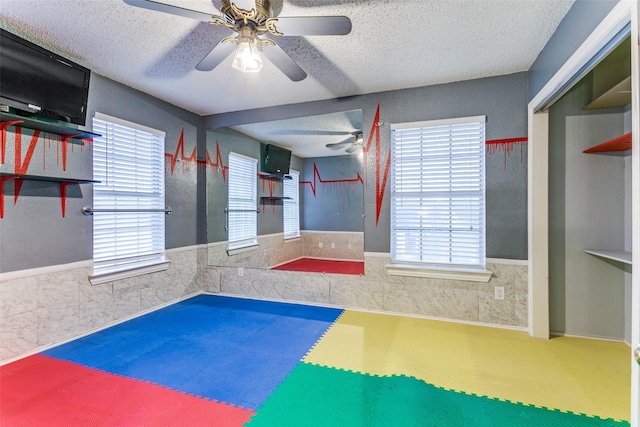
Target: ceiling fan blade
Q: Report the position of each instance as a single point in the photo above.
(353, 148)
(313, 25)
(218, 54)
(173, 10)
(309, 132)
(336, 145)
(280, 59)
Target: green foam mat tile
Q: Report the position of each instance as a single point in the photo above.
(319, 396)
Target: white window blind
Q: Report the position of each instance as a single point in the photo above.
(438, 193)
(128, 160)
(243, 204)
(291, 205)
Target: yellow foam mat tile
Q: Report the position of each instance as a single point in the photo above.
(569, 374)
(357, 341)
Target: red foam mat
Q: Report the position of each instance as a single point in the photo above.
(41, 391)
(323, 266)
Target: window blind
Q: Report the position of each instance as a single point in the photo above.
(242, 209)
(291, 205)
(438, 193)
(128, 160)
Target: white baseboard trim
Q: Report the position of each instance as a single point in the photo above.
(588, 337)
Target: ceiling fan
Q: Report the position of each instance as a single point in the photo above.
(251, 24)
(353, 143)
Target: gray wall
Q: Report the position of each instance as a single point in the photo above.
(331, 210)
(34, 233)
(336, 205)
(583, 17)
(226, 141)
(586, 211)
(502, 99)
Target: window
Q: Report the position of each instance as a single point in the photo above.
(242, 207)
(438, 194)
(291, 205)
(128, 222)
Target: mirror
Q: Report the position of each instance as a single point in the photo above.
(326, 150)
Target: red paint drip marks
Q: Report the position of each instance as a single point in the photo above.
(22, 165)
(3, 137)
(65, 145)
(63, 196)
(506, 146)
(2, 181)
(269, 185)
(189, 161)
(381, 176)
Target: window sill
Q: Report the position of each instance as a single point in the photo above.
(111, 276)
(292, 239)
(413, 271)
(236, 251)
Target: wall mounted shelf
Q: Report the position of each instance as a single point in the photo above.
(275, 198)
(273, 177)
(620, 256)
(47, 178)
(619, 144)
(58, 128)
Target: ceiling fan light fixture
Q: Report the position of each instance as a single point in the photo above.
(247, 57)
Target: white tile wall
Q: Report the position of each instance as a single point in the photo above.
(42, 309)
(39, 310)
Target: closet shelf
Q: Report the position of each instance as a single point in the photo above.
(618, 96)
(620, 256)
(621, 143)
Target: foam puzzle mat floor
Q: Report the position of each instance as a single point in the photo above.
(222, 361)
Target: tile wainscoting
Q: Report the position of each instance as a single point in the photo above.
(45, 306)
(41, 307)
(376, 290)
(273, 250)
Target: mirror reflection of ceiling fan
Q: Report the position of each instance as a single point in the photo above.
(352, 144)
(251, 24)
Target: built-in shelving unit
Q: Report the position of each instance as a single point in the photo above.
(55, 127)
(616, 145)
(620, 256)
(618, 95)
(619, 144)
(47, 178)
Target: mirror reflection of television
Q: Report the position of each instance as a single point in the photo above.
(40, 83)
(276, 160)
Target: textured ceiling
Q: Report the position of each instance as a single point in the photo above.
(394, 44)
(308, 136)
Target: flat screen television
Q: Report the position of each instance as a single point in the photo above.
(37, 82)
(276, 160)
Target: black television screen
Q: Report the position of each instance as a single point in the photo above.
(40, 82)
(276, 160)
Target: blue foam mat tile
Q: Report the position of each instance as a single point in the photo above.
(227, 349)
